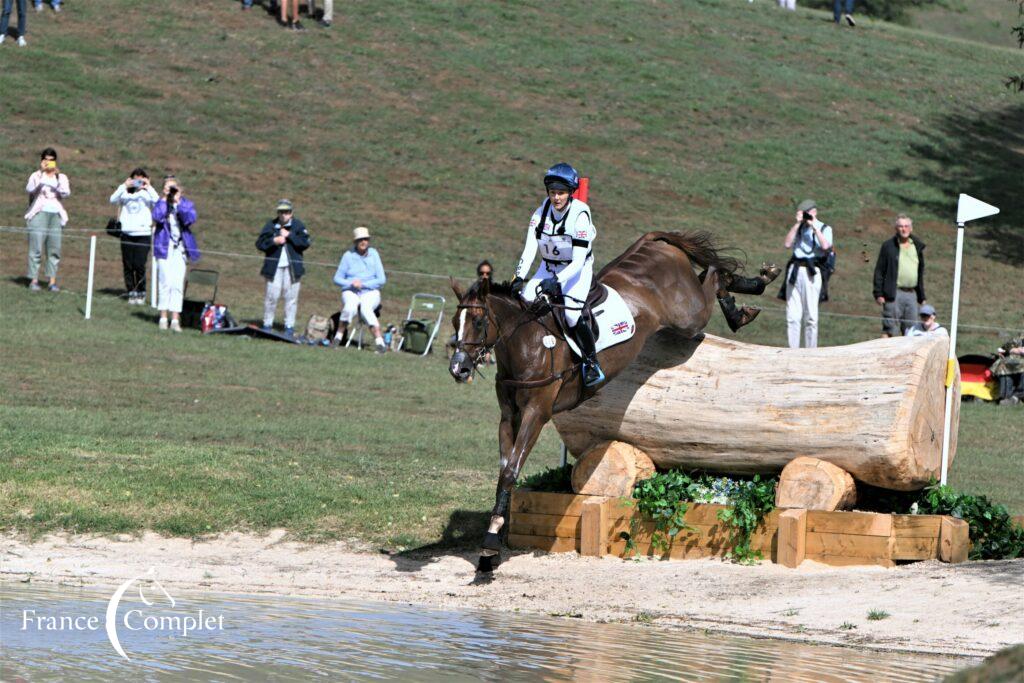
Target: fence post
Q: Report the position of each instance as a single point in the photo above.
(92, 274)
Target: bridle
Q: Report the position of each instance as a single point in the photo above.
(482, 347)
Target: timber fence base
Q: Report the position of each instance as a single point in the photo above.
(596, 526)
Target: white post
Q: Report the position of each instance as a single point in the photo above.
(952, 352)
(565, 454)
(92, 273)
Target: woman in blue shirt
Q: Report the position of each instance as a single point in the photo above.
(360, 276)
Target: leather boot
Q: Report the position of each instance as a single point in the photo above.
(592, 373)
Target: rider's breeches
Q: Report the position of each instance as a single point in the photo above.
(363, 303)
(575, 291)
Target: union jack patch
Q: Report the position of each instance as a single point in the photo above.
(620, 327)
(582, 234)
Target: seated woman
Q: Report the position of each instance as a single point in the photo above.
(360, 276)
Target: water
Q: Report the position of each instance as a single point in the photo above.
(287, 639)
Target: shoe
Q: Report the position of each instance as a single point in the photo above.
(22, 42)
(289, 332)
(53, 287)
(290, 25)
(379, 346)
(325, 24)
(267, 328)
(56, 8)
(34, 287)
(849, 20)
(163, 324)
(298, 26)
(2, 38)
(175, 326)
(39, 7)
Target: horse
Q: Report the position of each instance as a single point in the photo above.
(656, 278)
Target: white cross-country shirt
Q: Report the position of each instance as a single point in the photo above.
(565, 241)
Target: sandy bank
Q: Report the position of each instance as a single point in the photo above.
(969, 609)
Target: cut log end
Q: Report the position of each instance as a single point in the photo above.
(611, 469)
(814, 484)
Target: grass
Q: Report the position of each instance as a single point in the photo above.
(878, 615)
(432, 124)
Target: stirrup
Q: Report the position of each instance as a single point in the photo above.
(590, 367)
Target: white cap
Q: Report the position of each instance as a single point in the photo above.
(360, 233)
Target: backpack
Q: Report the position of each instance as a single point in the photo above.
(317, 328)
(215, 317)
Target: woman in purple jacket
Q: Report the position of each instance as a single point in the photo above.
(173, 246)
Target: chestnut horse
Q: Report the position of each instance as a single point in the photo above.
(657, 280)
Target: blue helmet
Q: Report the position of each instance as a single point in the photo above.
(562, 177)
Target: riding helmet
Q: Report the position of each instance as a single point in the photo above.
(562, 177)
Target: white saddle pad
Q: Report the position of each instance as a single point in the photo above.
(614, 322)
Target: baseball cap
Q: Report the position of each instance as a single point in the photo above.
(284, 205)
(807, 205)
(927, 309)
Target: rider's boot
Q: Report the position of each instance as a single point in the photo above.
(736, 317)
(592, 373)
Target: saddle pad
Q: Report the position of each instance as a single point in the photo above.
(614, 322)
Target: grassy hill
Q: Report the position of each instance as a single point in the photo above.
(982, 21)
(432, 124)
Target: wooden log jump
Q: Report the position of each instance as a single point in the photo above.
(874, 409)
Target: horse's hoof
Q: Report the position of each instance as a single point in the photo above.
(769, 271)
(488, 563)
(492, 541)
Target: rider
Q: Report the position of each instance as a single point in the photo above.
(561, 228)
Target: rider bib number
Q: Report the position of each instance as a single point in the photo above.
(556, 247)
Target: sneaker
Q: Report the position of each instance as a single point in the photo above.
(163, 323)
(298, 26)
(267, 328)
(22, 42)
(175, 326)
(325, 24)
(849, 19)
(379, 346)
(290, 25)
(56, 8)
(289, 332)
(2, 38)
(34, 287)
(53, 287)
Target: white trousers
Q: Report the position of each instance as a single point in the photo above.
(282, 284)
(577, 288)
(364, 302)
(802, 308)
(787, 4)
(170, 278)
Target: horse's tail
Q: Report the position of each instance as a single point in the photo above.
(700, 247)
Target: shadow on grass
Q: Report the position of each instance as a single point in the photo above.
(980, 154)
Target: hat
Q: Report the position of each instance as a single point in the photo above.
(360, 233)
(284, 205)
(927, 309)
(807, 205)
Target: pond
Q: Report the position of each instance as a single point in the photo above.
(51, 633)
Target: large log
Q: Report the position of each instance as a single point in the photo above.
(874, 409)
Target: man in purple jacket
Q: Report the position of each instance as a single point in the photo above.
(173, 246)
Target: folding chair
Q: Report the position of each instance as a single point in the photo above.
(191, 307)
(419, 333)
(360, 326)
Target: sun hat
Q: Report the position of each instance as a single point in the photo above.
(807, 205)
(284, 205)
(360, 233)
(927, 309)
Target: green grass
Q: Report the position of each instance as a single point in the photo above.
(982, 21)
(432, 123)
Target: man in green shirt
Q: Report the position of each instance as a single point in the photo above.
(899, 279)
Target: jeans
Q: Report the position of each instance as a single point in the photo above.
(134, 255)
(54, 3)
(6, 17)
(837, 9)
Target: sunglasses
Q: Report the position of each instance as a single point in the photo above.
(481, 273)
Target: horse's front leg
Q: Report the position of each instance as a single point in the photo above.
(526, 427)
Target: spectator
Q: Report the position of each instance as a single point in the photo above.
(811, 242)
(173, 244)
(786, 4)
(5, 19)
(837, 12)
(360, 276)
(1009, 370)
(136, 198)
(283, 239)
(927, 324)
(328, 16)
(484, 270)
(46, 218)
(294, 22)
(899, 278)
(54, 3)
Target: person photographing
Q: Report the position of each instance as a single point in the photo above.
(811, 242)
(173, 246)
(47, 189)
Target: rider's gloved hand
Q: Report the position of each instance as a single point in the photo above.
(550, 287)
(518, 284)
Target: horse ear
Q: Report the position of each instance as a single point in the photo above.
(485, 287)
(457, 288)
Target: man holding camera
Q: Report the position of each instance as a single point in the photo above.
(811, 242)
(899, 278)
(283, 240)
(136, 198)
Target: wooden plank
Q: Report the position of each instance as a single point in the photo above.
(792, 538)
(530, 524)
(915, 548)
(844, 561)
(916, 526)
(549, 543)
(545, 503)
(1018, 520)
(954, 540)
(845, 545)
(855, 523)
(703, 513)
(594, 529)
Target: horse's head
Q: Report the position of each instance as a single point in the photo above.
(475, 329)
